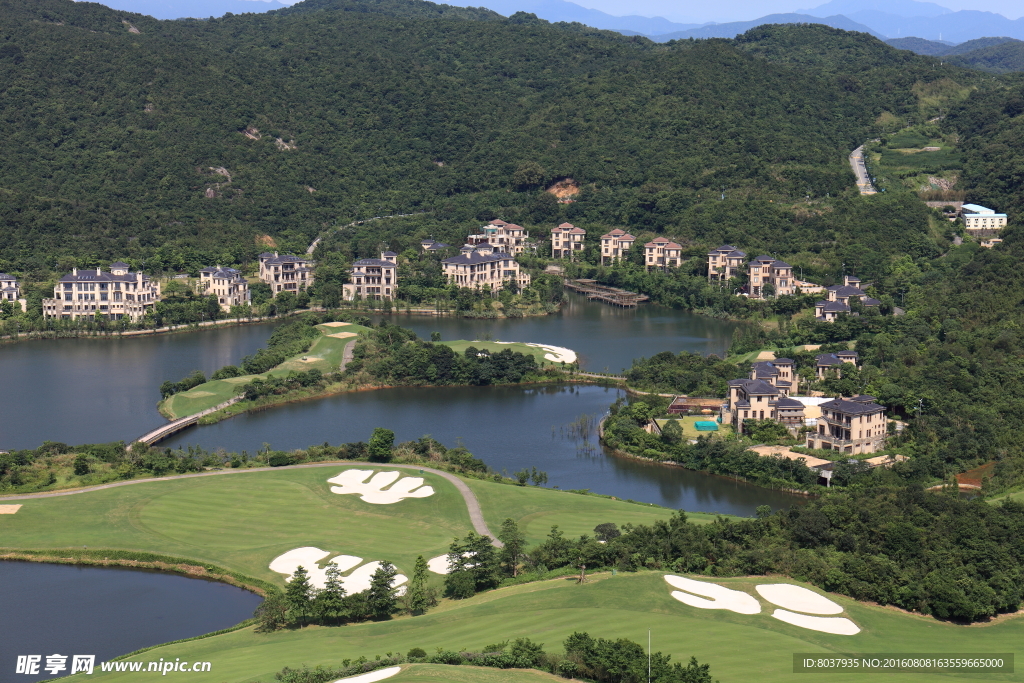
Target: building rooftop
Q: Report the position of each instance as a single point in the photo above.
(475, 257)
(833, 307)
(851, 407)
(374, 262)
(5, 276)
(979, 209)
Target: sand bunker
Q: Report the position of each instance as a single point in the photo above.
(335, 324)
(355, 481)
(309, 556)
(839, 626)
(438, 565)
(718, 597)
(797, 598)
(343, 335)
(9, 509)
(378, 675)
(556, 354)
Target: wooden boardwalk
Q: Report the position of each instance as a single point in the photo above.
(608, 295)
(161, 433)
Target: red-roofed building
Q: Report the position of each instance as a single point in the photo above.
(567, 240)
(661, 254)
(615, 244)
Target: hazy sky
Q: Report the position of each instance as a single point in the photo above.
(742, 10)
(694, 11)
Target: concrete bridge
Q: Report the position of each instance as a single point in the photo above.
(161, 433)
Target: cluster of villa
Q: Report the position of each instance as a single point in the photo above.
(850, 425)
(124, 294)
(839, 297)
(86, 293)
(659, 254)
(10, 290)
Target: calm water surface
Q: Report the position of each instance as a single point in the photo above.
(52, 608)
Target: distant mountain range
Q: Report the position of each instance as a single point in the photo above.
(881, 18)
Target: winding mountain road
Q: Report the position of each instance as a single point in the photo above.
(476, 515)
(861, 171)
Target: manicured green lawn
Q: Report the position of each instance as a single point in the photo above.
(243, 521)
(738, 647)
(325, 355)
(460, 346)
(438, 673)
(537, 509)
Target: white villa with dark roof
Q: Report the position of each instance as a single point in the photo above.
(765, 396)
(286, 273)
(482, 266)
(10, 290)
(765, 271)
(834, 361)
(508, 237)
(854, 425)
(227, 284)
(372, 278)
(430, 246)
(90, 292)
(662, 254)
(615, 244)
(839, 297)
(725, 263)
(567, 240)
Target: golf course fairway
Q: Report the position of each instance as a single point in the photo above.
(242, 521)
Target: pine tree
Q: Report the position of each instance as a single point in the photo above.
(380, 598)
(299, 595)
(515, 543)
(419, 598)
(329, 604)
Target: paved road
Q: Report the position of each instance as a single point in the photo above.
(861, 171)
(476, 515)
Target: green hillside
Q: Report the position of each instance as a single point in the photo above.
(177, 143)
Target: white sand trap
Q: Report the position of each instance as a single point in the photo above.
(556, 354)
(797, 598)
(308, 557)
(839, 626)
(439, 564)
(718, 597)
(378, 675)
(355, 481)
(335, 324)
(343, 335)
(9, 509)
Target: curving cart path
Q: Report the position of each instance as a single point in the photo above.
(476, 515)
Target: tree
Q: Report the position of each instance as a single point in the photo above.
(81, 465)
(298, 595)
(472, 566)
(272, 613)
(380, 598)
(381, 443)
(606, 532)
(329, 604)
(419, 597)
(511, 555)
(672, 432)
(528, 174)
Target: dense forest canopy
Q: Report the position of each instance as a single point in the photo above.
(180, 142)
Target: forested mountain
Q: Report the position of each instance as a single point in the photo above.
(999, 58)
(181, 142)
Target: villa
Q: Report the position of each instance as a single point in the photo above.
(88, 293)
(765, 396)
(430, 246)
(855, 425)
(725, 263)
(567, 240)
(10, 290)
(508, 237)
(662, 254)
(615, 244)
(839, 297)
(834, 361)
(286, 273)
(372, 278)
(483, 266)
(770, 277)
(227, 284)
